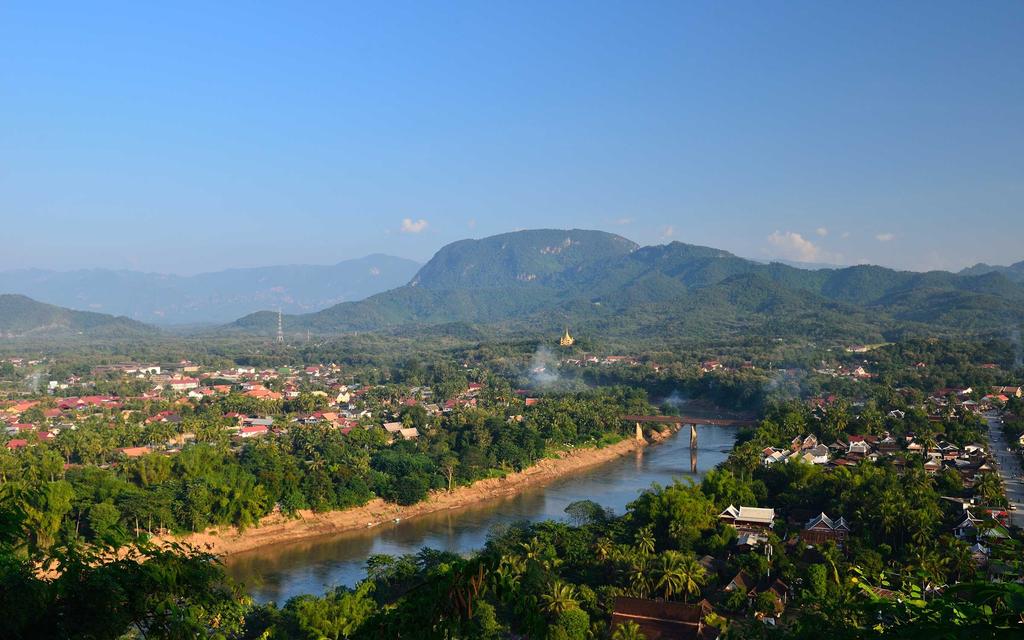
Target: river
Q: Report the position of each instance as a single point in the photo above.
(315, 565)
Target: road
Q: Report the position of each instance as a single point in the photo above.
(1009, 468)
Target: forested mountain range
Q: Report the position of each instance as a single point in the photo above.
(1014, 272)
(542, 280)
(21, 316)
(214, 297)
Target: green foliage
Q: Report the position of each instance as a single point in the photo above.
(628, 630)
(724, 488)
(736, 601)
(90, 593)
(571, 624)
(103, 520)
(20, 315)
(680, 513)
(336, 616)
(604, 285)
(968, 610)
(539, 580)
(587, 512)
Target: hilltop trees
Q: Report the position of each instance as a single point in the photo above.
(92, 593)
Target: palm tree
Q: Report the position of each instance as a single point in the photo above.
(694, 576)
(508, 576)
(670, 574)
(540, 553)
(628, 630)
(316, 462)
(604, 548)
(931, 565)
(640, 582)
(466, 583)
(961, 561)
(990, 488)
(831, 555)
(645, 540)
(560, 598)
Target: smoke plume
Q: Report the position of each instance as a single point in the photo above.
(544, 368)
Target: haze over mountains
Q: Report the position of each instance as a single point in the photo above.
(215, 297)
(546, 279)
(527, 282)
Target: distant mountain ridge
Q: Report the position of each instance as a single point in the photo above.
(518, 257)
(1014, 272)
(21, 316)
(214, 297)
(545, 279)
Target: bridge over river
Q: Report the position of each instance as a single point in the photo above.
(693, 420)
(677, 422)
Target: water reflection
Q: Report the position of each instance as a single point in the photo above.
(282, 571)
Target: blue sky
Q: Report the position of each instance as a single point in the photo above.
(189, 137)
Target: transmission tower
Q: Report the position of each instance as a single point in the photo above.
(280, 327)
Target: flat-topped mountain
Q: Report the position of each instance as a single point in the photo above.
(21, 316)
(214, 297)
(545, 279)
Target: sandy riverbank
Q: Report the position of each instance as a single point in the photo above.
(275, 529)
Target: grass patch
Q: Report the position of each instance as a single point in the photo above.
(609, 439)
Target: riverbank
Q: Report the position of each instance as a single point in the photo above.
(276, 528)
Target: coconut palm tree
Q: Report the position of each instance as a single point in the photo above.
(670, 574)
(961, 561)
(645, 540)
(931, 565)
(540, 553)
(560, 598)
(639, 574)
(694, 576)
(990, 488)
(604, 548)
(830, 553)
(508, 576)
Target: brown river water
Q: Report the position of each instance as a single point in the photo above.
(285, 570)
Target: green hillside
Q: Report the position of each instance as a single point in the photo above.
(1013, 272)
(21, 316)
(519, 258)
(543, 280)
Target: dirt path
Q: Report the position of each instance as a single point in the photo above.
(276, 528)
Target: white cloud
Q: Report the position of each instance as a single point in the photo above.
(668, 232)
(624, 221)
(885, 237)
(821, 231)
(471, 223)
(793, 246)
(845, 235)
(413, 226)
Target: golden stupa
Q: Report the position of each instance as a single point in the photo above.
(567, 340)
